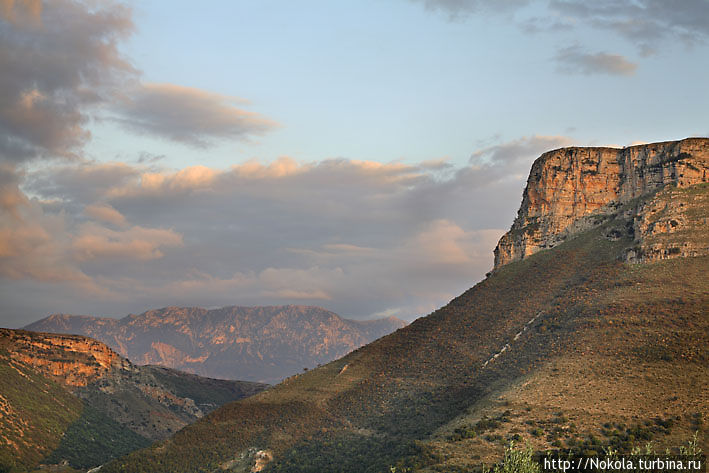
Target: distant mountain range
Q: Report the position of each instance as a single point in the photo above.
(263, 344)
(71, 398)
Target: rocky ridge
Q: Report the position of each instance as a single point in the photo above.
(151, 401)
(263, 344)
(571, 190)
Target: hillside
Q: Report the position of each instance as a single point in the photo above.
(67, 397)
(264, 344)
(571, 347)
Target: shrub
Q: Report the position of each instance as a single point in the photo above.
(516, 461)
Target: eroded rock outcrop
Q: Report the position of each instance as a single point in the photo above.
(153, 402)
(570, 190)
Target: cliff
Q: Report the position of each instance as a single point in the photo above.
(571, 190)
(73, 360)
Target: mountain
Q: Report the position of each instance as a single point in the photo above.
(571, 190)
(579, 346)
(68, 397)
(254, 343)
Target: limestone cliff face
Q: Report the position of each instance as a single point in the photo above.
(73, 360)
(570, 190)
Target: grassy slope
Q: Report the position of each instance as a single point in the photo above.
(42, 422)
(35, 412)
(612, 343)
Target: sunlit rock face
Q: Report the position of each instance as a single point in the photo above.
(151, 401)
(570, 190)
(75, 360)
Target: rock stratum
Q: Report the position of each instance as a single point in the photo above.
(571, 190)
(263, 344)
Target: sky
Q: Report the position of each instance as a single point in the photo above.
(363, 156)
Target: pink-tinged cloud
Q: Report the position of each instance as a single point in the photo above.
(51, 246)
(574, 60)
(58, 59)
(358, 237)
(188, 115)
(94, 241)
(22, 12)
(105, 213)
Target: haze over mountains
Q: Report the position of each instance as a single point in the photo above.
(263, 344)
(573, 347)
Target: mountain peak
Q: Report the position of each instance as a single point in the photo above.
(570, 190)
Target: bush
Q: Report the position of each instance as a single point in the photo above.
(516, 461)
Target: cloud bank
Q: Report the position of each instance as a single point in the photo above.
(62, 67)
(57, 62)
(646, 24)
(359, 237)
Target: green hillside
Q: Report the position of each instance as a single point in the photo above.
(35, 413)
(43, 423)
(60, 406)
(592, 351)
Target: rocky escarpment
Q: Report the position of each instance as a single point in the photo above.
(153, 402)
(570, 190)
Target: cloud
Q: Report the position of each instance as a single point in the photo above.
(57, 62)
(62, 67)
(51, 246)
(94, 241)
(643, 22)
(105, 213)
(357, 237)
(187, 115)
(456, 9)
(21, 13)
(149, 158)
(573, 60)
(519, 150)
(646, 24)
